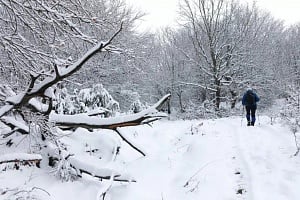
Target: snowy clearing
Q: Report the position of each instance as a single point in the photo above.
(202, 159)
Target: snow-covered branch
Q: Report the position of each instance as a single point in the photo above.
(15, 125)
(198, 85)
(39, 89)
(21, 158)
(103, 191)
(92, 169)
(83, 120)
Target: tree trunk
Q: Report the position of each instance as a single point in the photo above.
(217, 95)
(233, 98)
(179, 94)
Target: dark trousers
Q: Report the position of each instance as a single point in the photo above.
(250, 113)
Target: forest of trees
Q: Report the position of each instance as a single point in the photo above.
(219, 48)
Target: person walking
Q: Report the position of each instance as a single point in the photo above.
(249, 100)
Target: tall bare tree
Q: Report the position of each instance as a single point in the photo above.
(221, 33)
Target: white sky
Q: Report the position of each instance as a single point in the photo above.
(163, 12)
(159, 12)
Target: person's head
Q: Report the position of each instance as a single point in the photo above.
(249, 89)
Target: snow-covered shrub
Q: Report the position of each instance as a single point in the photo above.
(291, 114)
(136, 105)
(86, 100)
(130, 99)
(205, 110)
(291, 110)
(65, 102)
(101, 98)
(65, 171)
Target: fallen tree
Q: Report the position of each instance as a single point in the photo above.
(38, 99)
(146, 116)
(39, 51)
(40, 46)
(92, 122)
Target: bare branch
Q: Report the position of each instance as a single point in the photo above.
(198, 85)
(130, 144)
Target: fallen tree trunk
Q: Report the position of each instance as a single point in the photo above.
(91, 122)
(15, 126)
(21, 159)
(83, 120)
(80, 165)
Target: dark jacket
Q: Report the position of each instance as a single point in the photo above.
(244, 101)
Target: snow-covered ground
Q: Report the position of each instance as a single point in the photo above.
(206, 159)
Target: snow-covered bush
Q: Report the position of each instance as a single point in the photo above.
(64, 170)
(130, 99)
(136, 105)
(291, 114)
(86, 100)
(291, 110)
(205, 110)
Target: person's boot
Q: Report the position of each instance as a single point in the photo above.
(252, 123)
(248, 124)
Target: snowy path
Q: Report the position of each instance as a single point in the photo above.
(271, 170)
(186, 160)
(243, 163)
(222, 160)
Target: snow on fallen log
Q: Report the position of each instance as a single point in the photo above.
(20, 124)
(83, 120)
(16, 125)
(38, 105)
(5, 109)
(98, 111)
(21, 158)
(81, 165)
(16, 99)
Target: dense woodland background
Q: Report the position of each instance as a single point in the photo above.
(216, 51)
(87, 56)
